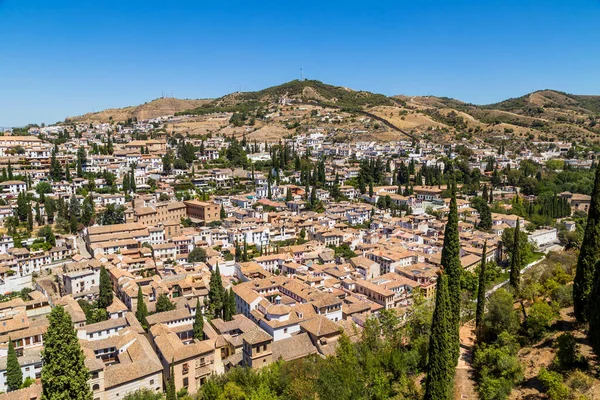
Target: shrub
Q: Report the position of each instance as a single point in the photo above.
(580, 381)
(567, 355)
(540, 317)
(555, 388)
(563, 295)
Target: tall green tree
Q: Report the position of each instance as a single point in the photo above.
(215, 294)
(515, 260)
(105, 297)
(588, 256)
(594, 312)
(198, 322)
(88, 211)
(141, 311)
(453, 268)
(480, 310)
(171, 394)
(64, 374)
(55, 168)
(441, 365)
(14, 375)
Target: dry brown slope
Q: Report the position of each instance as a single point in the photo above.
(153, 109)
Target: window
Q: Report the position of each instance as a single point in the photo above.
(152, 381)
(96, 387)
(185, 369)
(185, 382)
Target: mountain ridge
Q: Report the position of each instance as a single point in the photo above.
(544, 114)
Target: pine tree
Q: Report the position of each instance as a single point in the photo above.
(515, 260)
(441, 364)
(588, 255)
(453, 268)
(14, 375)
(64, 375)
(142, 311)
(198, 322)
(481, 294)
(594, 311)
(164, 304)
(105, 297)
(223, 214)
(10, 171)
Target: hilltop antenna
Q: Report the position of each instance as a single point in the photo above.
(301, 74)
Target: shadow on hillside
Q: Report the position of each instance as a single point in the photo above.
(533, 383)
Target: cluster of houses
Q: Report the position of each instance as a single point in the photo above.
(309, 277)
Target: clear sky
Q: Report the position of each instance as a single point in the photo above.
(61, 58)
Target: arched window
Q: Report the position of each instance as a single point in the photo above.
(96, 387)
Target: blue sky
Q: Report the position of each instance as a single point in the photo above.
(61, 58)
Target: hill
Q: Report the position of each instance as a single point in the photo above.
(153, 109)
(311, 104)
(541, 115)
(306, 91)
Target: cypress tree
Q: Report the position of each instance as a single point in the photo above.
(215, 293)
(441, 365)
(38, 214)
(515, 260)
(105, 298)
(14, 375)
(481, 294)
(594, 312)
(29, 218)
(64, 375)
(231, 304)
(171, 395)
(226, 314)
(142, 311)
(453, 268)
(198, 322)
(10, 171)
(588, 255)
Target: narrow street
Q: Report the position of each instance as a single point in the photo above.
(82, 249)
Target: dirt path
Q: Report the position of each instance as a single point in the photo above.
(464, 386)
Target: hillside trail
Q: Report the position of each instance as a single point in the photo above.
(464, 385)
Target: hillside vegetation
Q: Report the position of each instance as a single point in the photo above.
(545, 115)
(306, 90)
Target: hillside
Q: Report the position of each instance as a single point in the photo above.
(306, 91)
(541, 115)
(311, 104)
(153, 109)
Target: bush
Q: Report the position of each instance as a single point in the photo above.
(497, 367)
(555, 388)
(501, 314)
(540, 317)
(567, 355)
(563, 295)
(580, 381)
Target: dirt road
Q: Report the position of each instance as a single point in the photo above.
(464, 385)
